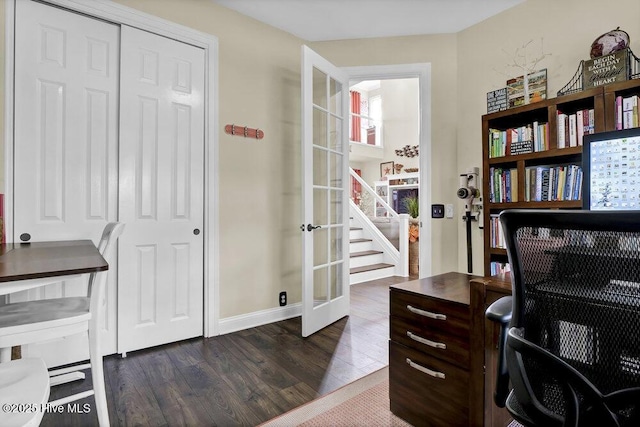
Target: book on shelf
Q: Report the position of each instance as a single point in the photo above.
(553, 183)
(572, 127)
(629, 106)
(519, 140)
(499, 267)
(503, 185)
(495, 230)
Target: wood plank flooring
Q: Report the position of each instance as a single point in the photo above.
(243, 378)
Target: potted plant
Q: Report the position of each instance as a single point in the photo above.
(412, 203)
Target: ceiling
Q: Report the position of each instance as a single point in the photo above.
(322, 20)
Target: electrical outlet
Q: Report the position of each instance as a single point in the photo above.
(283, 298)
(448, 211)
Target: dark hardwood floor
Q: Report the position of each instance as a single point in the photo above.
(243, 378)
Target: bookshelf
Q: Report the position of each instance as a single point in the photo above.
(552, 126)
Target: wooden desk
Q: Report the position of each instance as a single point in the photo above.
(28, 265)
(484, 352)
(429, 352)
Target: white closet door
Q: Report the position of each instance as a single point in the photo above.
(160, 289)
(66, 100)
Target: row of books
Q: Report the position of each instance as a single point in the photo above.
(499, 267)
(627, 112)
(503, 185)
(495, 231)
(530, 138)
(572, 127)
(553, 183)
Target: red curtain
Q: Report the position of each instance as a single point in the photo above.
(355, 120)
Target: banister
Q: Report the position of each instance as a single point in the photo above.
(392, 213)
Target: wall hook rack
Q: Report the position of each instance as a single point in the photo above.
(245, 131)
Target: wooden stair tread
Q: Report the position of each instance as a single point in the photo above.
(372, 267)
(355, 228)
(360, 240)
(364, 253)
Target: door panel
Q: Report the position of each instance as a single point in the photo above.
(65, 153)
(160, 296)
(325, 295)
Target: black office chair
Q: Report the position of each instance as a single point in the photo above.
(572, 350)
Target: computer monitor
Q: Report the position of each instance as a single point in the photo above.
(611, 171)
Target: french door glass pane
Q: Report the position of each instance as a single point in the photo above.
(319, 88)
(335, 133)
(320, 173)
(320, 246)
(336, 243)
(336, 285)
(320, 206)
(335, 97)
(320, 280)
(320, 136)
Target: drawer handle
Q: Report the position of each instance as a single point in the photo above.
(429, 314)
(425, 341)
(427, 371)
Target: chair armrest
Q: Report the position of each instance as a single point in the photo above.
(500, 312)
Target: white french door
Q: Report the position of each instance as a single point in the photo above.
(325, 111)
(160, 294)
(65, 150)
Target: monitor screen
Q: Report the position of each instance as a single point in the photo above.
(611, 167)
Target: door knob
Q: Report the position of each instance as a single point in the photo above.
(25, 237)
(311, 227)
(196, 231)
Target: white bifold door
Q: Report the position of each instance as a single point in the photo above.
(65, 150)
(109, 125)
(161, 191)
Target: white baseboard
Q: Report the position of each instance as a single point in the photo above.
(258, 318)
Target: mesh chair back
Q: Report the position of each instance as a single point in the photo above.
(576, 294)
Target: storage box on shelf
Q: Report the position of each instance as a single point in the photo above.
(532, 155)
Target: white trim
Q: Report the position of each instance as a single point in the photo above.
(423, 73)
(122, 15)
(259, 318)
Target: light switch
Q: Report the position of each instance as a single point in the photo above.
(449, 211)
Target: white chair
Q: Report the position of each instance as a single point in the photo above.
(36, 321)
(24, 390)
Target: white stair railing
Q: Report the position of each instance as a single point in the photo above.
(399, 256)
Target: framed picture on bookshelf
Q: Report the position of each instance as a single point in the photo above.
(386, 168)
(537, 85)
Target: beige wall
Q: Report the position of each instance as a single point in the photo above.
(567, 29)
(259, 82)
(441, 52)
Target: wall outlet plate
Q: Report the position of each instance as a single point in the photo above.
(282, 298)
(437, 211)
(448, 210)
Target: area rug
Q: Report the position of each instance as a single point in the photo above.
(364, 402)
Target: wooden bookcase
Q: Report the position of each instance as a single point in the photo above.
(601, 100)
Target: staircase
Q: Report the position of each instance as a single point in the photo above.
(367, 260)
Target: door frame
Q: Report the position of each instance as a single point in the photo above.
(123, 15)
(421, 71)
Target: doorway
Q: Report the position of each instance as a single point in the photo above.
(415, 78)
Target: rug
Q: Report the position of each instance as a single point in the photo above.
(364, 402)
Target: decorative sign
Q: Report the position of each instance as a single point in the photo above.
(497, 100)
(606, 69)
(537, 87)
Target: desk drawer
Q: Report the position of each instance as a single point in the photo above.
(430, 314)
(434, 342)
(421, 398)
